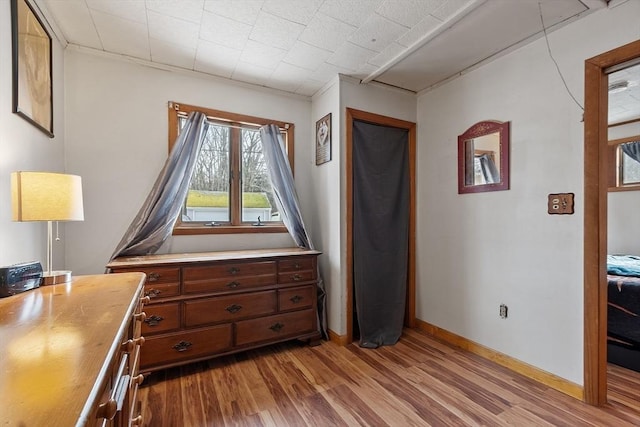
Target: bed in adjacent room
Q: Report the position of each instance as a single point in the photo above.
(623, 326)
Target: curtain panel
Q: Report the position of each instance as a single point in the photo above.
(155, 220)
(632, 149)
(285, 193)
(381, 204)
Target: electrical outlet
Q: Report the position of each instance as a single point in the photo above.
(503, 311)
(560, 204)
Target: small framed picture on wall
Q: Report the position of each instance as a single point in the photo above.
(323, 140)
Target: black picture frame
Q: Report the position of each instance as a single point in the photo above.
(323, 140)
(32, 67)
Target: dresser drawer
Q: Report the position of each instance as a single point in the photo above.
(226, 308)
(274, 327)
(155, 275)
(230, 270)
(183, 345)
(161, 290)
(296, 298)
(161, 281)
(295, 264)
(297, 276)
(216, 284)
(162, 275)
(161, 318)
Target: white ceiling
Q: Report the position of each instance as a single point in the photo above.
(625, 105)
(299, 45)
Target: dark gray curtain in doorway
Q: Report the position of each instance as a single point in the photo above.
(380, 230)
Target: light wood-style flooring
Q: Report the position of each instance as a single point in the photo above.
(417, 382)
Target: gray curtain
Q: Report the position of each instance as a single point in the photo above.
(380, 231)
(154, 222)
(632, 149)
(277, 162)
(489, 170)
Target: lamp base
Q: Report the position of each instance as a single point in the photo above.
(55, 277)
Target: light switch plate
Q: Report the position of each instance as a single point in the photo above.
(560, 204)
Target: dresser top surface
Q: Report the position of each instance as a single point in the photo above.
(168, 259)
(57, 343)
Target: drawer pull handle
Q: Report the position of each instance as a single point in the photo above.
(137, 421)
(277, 327)
(234, 308)
(296, 277)
(182, 346)
(153, 277)
(153, 320)
(145, 300)
(152, 293)
(295, 299)
(139, 341)
(234, 270)
(233, 285)
(141, 317)
(138, 379)
(130, 345)
(297, 266)
(108, 409)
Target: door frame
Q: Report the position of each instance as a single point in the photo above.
(410, 310)
(595, 218)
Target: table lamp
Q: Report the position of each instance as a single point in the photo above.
(47, 196)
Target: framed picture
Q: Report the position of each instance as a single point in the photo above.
(32, 77)
(323, 140)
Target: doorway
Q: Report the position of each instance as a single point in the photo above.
(356, 115)
(595, 217)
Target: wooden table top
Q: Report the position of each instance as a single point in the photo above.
(167, 259)
(56, 344)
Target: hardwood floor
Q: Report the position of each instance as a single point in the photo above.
(417, 382)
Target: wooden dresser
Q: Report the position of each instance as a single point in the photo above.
(69, 353)
(208, 304)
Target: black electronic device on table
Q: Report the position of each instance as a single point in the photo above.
(19, 278)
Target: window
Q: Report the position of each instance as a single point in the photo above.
(624, 164)
(230, 190)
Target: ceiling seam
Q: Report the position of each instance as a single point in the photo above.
(426, 38)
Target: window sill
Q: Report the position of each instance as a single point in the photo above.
(195, 229)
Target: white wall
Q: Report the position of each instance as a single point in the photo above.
(24, 147)
(476, 251)
(117, 141)
(326, 202)
(623, 226)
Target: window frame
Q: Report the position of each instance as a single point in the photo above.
(177, 109)
(614, 163)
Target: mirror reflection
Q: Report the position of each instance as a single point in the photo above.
(483, 163)
(484, 153)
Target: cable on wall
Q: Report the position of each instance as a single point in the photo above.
(546, 38)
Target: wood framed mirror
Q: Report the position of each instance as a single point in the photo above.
(483, 158)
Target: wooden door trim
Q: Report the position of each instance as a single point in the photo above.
(352, 114)
(595, 218)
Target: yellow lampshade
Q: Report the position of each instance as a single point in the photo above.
(46, 196)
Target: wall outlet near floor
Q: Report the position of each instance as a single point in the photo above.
(503, 311)
(560, 204)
